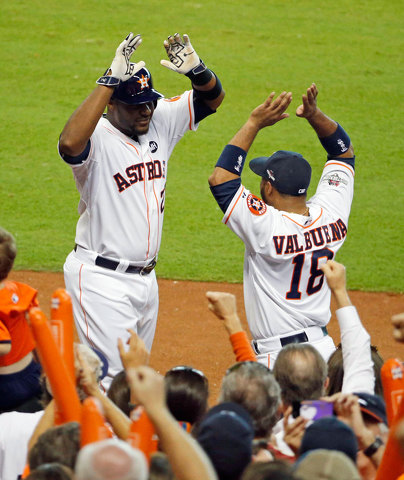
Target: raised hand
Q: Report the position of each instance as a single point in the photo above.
(309, 106)
(181, 53)
(122, 68)
(272, 110)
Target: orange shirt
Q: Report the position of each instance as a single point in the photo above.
(15, 300)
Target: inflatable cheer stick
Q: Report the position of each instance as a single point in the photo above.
(62, 324)
(142, 434)
(63, 388)
(93, 428)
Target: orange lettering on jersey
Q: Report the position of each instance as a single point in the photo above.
(256, 205)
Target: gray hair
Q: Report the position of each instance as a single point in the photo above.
(111, 459)
(253, 386)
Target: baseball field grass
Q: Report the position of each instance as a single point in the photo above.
(53, 51)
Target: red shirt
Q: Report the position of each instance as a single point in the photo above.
(15, 300)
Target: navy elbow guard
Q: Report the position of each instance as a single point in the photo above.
(232, 159)
(336, 143)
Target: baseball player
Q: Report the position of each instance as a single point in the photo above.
(119, 162)
(286, 237)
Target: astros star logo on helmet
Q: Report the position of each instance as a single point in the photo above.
(144, 82)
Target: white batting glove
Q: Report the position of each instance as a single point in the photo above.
(122, 68)
(181, 53)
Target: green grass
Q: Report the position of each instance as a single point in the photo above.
(52, 52)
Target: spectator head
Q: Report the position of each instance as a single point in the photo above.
(327, 465)
(373, 411)
(111, 459)
(272, 470)
(336, 371)
(329, 433)
(8, 252)
(51, 471)
(301, 373)
(59, 444)
(226, 434)
(119, 392)
(187, 393)
(253, 386)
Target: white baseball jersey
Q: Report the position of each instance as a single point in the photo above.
(122, 191)
(284, 289)
(122, 184)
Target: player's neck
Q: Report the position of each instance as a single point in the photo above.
(291, 204)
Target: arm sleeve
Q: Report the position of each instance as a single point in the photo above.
(225, 192)
(335, 188)
(356, 353)
(5, 336)
(242, 347)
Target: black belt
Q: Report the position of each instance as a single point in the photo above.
(112, 265)
(299, 337)
(296, 338)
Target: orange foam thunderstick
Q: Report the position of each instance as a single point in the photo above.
(392, 464)
(142, 434)
(62, 324)
(63, 388)
(93, 427)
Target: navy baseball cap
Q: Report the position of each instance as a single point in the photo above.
(137, 90)
(288, 172)
(372, 406)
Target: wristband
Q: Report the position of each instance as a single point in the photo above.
(200, 75)
(373, 447)
(337, 143)
(232, 159)
(108, 81)
(210, 94)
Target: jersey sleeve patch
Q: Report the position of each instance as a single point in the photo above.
(256, 205)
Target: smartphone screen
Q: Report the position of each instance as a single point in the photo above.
(315, 409)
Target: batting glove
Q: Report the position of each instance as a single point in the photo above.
(183, 58)
(122, 68)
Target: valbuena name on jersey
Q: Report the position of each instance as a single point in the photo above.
(316, 237)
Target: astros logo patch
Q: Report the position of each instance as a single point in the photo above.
(256, 205)
(144, 82)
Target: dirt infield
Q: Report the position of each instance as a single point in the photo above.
(187, 333)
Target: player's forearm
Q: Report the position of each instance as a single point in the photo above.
(119, 421)
(82, 123)
(186, 457)
(325, 126)
(245, 137)
(341, 298)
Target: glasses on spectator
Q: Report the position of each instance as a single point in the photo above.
(185, 368)
(236, 366)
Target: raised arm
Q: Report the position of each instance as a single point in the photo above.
(74, 139)
(355, 340)
(331, 135)
(183, 59)
(231, 161)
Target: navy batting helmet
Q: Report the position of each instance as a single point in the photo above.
(137, 90)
